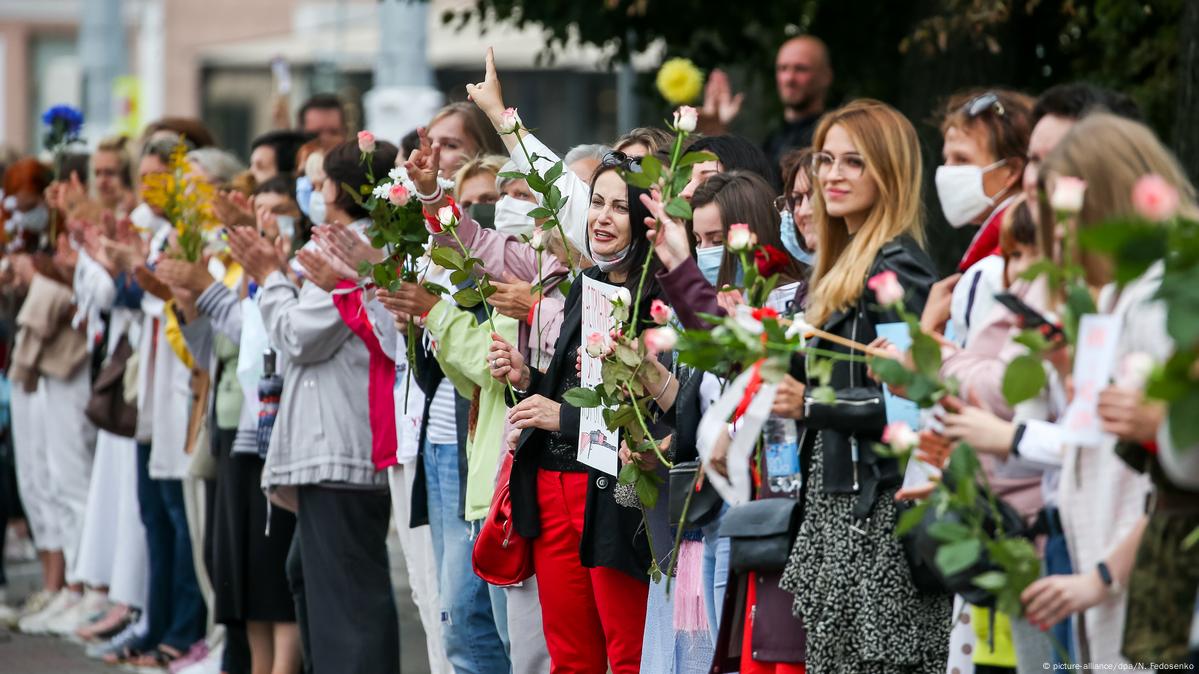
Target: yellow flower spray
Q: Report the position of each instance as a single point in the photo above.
(185, 200)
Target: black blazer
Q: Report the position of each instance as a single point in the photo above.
(859, 415)
(613, 535)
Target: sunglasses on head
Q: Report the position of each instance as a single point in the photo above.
(622, 160)
(983, 103)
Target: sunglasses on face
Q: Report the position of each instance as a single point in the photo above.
(622, 160)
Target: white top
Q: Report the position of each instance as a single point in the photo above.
(974, 298)
(577, 193)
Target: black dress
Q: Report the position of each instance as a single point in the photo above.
(250, 542)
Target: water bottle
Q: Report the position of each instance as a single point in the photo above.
(270, 388)
(780, 437)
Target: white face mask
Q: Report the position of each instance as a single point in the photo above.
(960, 190)
(607, 263)
(512, 216)
(316, 208)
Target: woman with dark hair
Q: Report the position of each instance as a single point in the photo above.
(733, 153)
(320, 461)
(591, 561)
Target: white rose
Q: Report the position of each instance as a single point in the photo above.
(1068, 193)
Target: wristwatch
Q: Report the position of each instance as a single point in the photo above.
(1109, 581)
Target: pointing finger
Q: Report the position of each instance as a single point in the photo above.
(490, 61)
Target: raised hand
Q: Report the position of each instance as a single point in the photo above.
(424, 163)
(720, 104)
(183, 275)
(255, 254)
(233, 209)
(668, 236)
(488, 94)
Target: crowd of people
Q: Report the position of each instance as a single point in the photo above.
(210, 454)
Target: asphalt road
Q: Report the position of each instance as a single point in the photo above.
(24, 654)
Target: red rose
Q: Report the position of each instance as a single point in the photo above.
(762, 313)
(770, 260)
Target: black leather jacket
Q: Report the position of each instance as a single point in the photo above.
(854, 423)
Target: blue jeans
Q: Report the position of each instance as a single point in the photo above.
(175, 610)
(472, 643)
(716, 572)
(1057, 561)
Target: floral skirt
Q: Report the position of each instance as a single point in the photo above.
(854, 589)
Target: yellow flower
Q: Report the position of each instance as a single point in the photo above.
(679, 81)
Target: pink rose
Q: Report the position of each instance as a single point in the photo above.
(659, 340)
(685, 119)
(740, 238)
(509, 121)
(900, 437)
(886, 288)
(1068, 193)
(446, 217)
(366, 141)
(596, 345)
(1154, 198)
(398, 194)
(660, 312)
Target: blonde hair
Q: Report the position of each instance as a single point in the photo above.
(488, 163)
(1110, 153)
(478, 129)
(888, 145)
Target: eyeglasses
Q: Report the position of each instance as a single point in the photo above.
(789, 202)
(624, 161)
(851, 165)
(984, 103)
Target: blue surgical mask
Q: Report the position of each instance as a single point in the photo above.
(790, 235)
(303, 192)
(708, 260)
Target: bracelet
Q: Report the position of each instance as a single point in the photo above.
(669, 377)
(431, 198)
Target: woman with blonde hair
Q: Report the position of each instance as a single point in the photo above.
(1124, 560)
(853, 588)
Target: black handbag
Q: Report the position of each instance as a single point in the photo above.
(705, 503)
(761, 534)
(920, 548)
(106, 408)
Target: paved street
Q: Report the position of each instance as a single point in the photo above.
(24, 654)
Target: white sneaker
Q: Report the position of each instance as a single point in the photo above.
(36, 602)
(71, 619)
(9, 616)
(36, 623)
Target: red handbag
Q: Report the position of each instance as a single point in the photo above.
(501, 556)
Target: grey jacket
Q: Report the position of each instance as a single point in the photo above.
(322, 433)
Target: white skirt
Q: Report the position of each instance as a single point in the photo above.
(33, 466)
(112, 551)
(70, 447)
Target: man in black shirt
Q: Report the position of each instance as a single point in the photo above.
(803, 74)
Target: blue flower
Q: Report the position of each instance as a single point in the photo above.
(65, 117)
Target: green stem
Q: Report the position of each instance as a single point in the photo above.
(645, 429)
(667, 195)
(553, 218)
(484, 282)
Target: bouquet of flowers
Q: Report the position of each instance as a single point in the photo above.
(185, 200)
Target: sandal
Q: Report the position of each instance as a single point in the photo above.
(123, 656)
(161, 657)
(109, 624)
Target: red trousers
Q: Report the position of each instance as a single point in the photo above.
(592, 617)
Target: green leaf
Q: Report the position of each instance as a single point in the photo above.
(825, 395)
(1034, 340)
(910, 517)
(627, 355)
(679, 208)
(1023, 380)
(1184, 420)
(926, 354)
(628, 474)
(540, 212)
(651, 167)
(435, 289)
(513, 175)
(536, 183)
(459, 276)
(636, 179)
(957, 557)
(468, 297)
(695, 158)
(487, 290)
(948, 531)
(992, 581)
(647, 490)
(554, 172)
(447, 257)
(582, 397)
(621, 416)
(889, 370)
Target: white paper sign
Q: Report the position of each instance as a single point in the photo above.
(598, 444)
(1094, 358)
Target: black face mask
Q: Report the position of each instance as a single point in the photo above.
(484, 214)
